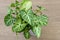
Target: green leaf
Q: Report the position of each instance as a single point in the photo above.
(9, 20)
(12, 4)
(17, 3)
(27, 16)
(36, 31)
(41, 8)
(43, 20)
(33, 19)
(26, 35)
(10, 11)
(26, 32)
(17, 8)
(18, 26)
(26, 5)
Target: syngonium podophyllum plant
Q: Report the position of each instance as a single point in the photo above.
(23, 19)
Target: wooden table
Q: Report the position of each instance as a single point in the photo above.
(49, 32)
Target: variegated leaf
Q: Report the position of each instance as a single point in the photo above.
(19, 26)
(36, 31)
(25, 5)
(9, 19)
(33, 19)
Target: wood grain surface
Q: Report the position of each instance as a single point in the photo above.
(49, 32)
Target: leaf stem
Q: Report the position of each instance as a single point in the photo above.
(16, 36)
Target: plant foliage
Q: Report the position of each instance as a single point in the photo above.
(23, 19)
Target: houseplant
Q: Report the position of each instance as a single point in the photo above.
(23, 19)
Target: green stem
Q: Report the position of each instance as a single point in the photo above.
(16, 7)
(16, 36)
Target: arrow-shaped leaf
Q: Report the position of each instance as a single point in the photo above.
(19, 26)
(43, 19)
(9, 20)
(37, 31)
(27, 16)
(33, 19)
(26, 4)
(26, 32)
